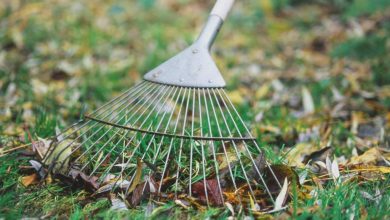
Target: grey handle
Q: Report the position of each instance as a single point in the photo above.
(222, 8)
(214, 23)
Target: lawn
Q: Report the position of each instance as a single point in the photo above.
(311, 79)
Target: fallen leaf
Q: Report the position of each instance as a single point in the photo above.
(282, 197)
(122, 184)
(317, 155)
(254, 206)
(307, 99)
(335, 170)
(275, 174)
(118, 204)
(137, 177)
(29, 180)
(184, 204)
(230, 207)
(140, 192)
(60, 156)
(371, 156)
(89, 182)
(213, 191)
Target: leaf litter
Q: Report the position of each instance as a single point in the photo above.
(328, 108)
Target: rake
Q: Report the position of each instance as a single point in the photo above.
(174, 135)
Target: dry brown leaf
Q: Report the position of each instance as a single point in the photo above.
(30, 180)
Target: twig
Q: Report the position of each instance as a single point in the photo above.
(13, 149)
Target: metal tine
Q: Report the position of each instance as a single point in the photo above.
(109, 104)
(130, 94)
(123, 136)
(162, 139)
(70, 144)
(138, 99)
(81, 144)
(202, 149)
(149, 144)
(128, 131)
(235, 149)
(249, 133)
(137, 92)
(223, 146)
(246, 147)
(118, 130)
(212, 142)
(121, 96)
(171, 144)
(53, 146)
(192, 141)
(163, 116)
(181, 141)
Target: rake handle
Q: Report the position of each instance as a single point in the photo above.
(222, 8)
(214, 23)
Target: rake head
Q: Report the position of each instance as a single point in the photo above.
(174, 135)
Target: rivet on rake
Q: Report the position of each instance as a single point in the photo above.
(195, 51)
(155, 75)
(181, 80)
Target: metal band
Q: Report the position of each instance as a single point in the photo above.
(173, 135)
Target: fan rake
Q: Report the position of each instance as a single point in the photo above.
(174, 135)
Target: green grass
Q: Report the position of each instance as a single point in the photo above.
(108, 46)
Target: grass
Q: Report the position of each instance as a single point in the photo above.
(60, 60)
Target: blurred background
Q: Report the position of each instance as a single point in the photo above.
(312, 73)
(307, 76)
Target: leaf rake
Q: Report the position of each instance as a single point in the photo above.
(175, 135)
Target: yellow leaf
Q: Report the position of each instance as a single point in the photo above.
(236, 97)
(262, 91)
(363, 168)
(29, 180)
(137, 177)
(369, 157)
(60, 155)
(296, 155)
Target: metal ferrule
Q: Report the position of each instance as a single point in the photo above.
(210, 31)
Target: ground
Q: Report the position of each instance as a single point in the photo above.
(312, 79)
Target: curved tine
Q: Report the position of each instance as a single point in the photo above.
(235, 149)
(84, 141)
(192, 141)
(123, 136)
(181, 141)
(171, 144)
(139, 92)
(224, 147)
(118, 130)
(158, 126)
(121, 96)
(248, 132)
(132, 94)
(212, 142)
(202, 150)
(122, 106)
(166, 127)
(249, 153)
(128, 131)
